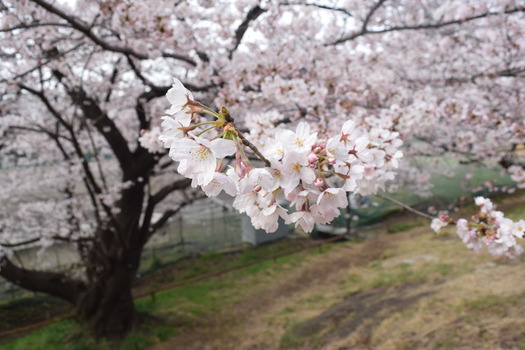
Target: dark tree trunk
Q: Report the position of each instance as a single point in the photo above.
(107, 305)
(104, 305)
(112, 256)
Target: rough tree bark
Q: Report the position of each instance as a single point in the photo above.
(107, 305)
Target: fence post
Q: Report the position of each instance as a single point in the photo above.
(349, 219)
(181, 235)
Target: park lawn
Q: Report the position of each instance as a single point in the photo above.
(405, 289)
(167, 310)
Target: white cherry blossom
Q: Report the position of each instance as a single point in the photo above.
(178, 96)
(437, 224)
(295, 169)
(199, 156)
(151, 141)
(173, 128)
(219, 183)
(299, 141)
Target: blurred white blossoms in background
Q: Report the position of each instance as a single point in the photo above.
(517, 174)
(150, 140)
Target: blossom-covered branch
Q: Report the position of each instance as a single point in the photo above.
(313, 171)
(489, 227)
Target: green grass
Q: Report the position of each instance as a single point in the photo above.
(290, 339)
(195, 299)
(67, 335)
(408, 273)
(405, 226)
(52, 336)
(375, 275)
(492, 302)
(516, 213)
(185, 304)
(189, 303)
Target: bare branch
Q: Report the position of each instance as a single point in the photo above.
(71, 132)
(170, 213)
(407, 207)
(91, 182)
(34, 25)
(252, 15)
(105, 126)
(57, 284)
(34, 240)
(168, 189)
(164, 218)
(253, 148)
(40, 129)
(424, 26)
(86, 30)
(370, 14)
(43, 63)
(146, 229)
(321, 6)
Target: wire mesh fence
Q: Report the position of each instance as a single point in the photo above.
(203, 228)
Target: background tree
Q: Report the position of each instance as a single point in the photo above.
(80, 81)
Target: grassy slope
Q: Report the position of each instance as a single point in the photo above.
(408, 290)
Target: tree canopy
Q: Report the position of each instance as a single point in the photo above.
(82, 81)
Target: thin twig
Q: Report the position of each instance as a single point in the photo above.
(229, 119)
(407, 207)
(253, 148)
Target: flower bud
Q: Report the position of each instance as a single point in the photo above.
(312, 158)
(318, 183)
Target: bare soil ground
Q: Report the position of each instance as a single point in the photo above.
(409, 290)
(246, 315)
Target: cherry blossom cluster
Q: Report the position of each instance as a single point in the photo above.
(312, 170)
(517, 174)
(488, 227)
(443, 220)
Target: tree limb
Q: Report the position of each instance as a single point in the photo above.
(252, 15)
(34, 25)
(86, 30)
(105, 126)
(321, 6)
(168, 189)
(364, 31)
(57, 284)
(34, 240)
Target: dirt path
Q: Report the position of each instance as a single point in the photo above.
(244, 325)
(409, 290)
